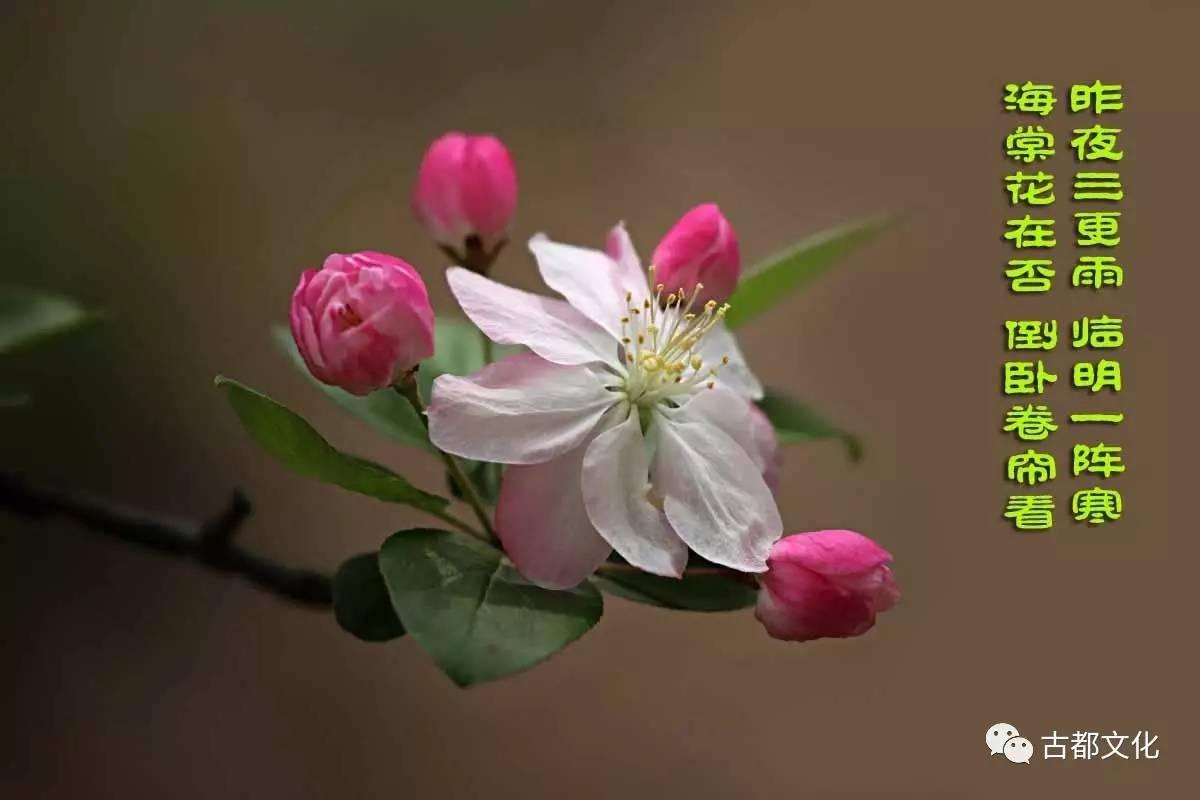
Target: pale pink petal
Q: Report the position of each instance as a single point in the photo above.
(723, 408)
(714, 495)
(719, 342)
(616, 490)
(741, 420)
(543, 524)
(586, 278)
(630, 275)
(766, 447)
(519, 410)
(551, 328)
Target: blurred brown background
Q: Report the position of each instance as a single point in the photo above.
(177, 164)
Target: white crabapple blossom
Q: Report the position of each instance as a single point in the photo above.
(627, 426)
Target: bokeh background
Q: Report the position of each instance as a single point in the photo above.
(177, 164)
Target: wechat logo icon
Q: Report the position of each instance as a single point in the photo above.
(1004, 739)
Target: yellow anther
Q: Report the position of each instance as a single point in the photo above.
(724, 361)
(698, 362)
(651, 362)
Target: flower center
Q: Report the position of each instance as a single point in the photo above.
(659, 337)
(346, 316)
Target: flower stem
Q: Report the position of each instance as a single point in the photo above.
(410, 391)
(450, 519)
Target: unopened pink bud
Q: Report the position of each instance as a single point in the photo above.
(824, 584)
(701, 249)
(362, 321)
(466, 187)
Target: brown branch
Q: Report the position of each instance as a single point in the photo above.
(209, 543)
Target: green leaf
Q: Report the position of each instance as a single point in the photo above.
(472, 611)
(771, 281)
(689, 593)
(27, 317)
(360, 600)
(796, 422)
(457, 350)
(385, 410)
(287, 436)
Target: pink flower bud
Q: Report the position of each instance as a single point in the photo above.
(824, 584)
(467, 186)
(701, 248)
(362, 321)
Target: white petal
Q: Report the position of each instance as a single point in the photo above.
(714, 496)
(551, 328)
(741, 421)
(723, 407)
(586, 278)
(719, 342)
(543, 525)
(615, 487)
(630, 275)
(519, 410)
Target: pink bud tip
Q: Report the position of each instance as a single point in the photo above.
(466, 187)
(700, 249)
(362, 320)
(824, 584)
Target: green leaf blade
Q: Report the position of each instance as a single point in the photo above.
(706, 593)
(28, 317)
(797, 422)
(473, 612)
(361, 604)
(770, 282)
(290, 438)
(384, 410)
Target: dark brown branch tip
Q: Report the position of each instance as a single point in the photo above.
(209, 543)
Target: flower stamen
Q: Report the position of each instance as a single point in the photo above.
(660, 336)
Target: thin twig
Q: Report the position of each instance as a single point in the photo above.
(209, 543)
